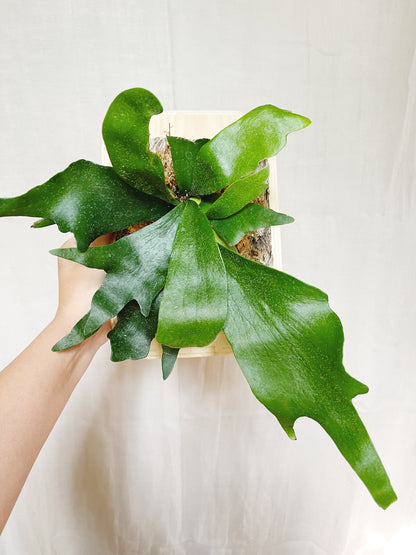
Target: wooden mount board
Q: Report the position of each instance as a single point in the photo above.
(196, 125)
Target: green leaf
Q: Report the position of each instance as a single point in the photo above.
(208, 201)
(184, 154)
(126, 137)
(42, 223)
(75, 336)
(169, 356)
(253, 216)
(237, 150)
(239, 194)
(133, 333)
(136, 267)
(289, 344)
(194, 302)
(87, 199)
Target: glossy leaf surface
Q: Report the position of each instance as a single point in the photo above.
(126, 137)
(289, 343)
(237, 150)
(239, 194)
(250, 218)
(75, 336)
(169, 356)
(194, 301)
(184, 154)
(136, 267)
(133, 333)
(88, 199)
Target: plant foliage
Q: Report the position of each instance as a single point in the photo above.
(179, 278)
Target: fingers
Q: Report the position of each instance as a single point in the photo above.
(69, 243)
(78, 283)
(99, 242)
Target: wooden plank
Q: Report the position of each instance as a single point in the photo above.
(195, 125)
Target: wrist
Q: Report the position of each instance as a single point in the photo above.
(74, 361)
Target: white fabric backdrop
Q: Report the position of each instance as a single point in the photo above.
(195, 465)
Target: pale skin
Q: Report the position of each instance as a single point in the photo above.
(36, 386)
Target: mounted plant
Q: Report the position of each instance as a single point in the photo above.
(180, 278)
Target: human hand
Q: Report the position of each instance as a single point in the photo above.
(77, 285)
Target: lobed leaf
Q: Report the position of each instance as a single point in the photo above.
(136, 267)
(289, 343)
(88, 199)
(239, 194)
(236, 151)
(250, 218)
(194, 301)
(126, 137)
(133, 333)
(184, 153)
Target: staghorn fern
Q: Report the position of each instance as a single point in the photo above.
(180, 278)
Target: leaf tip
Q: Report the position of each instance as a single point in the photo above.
(169, 356)
(56, 348)
(357, 387)
(386, 497)
(393, 498)
(290, 431)
(306, 121)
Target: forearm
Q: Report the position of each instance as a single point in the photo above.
(34, 389)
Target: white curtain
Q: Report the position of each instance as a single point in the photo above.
(195, 465)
